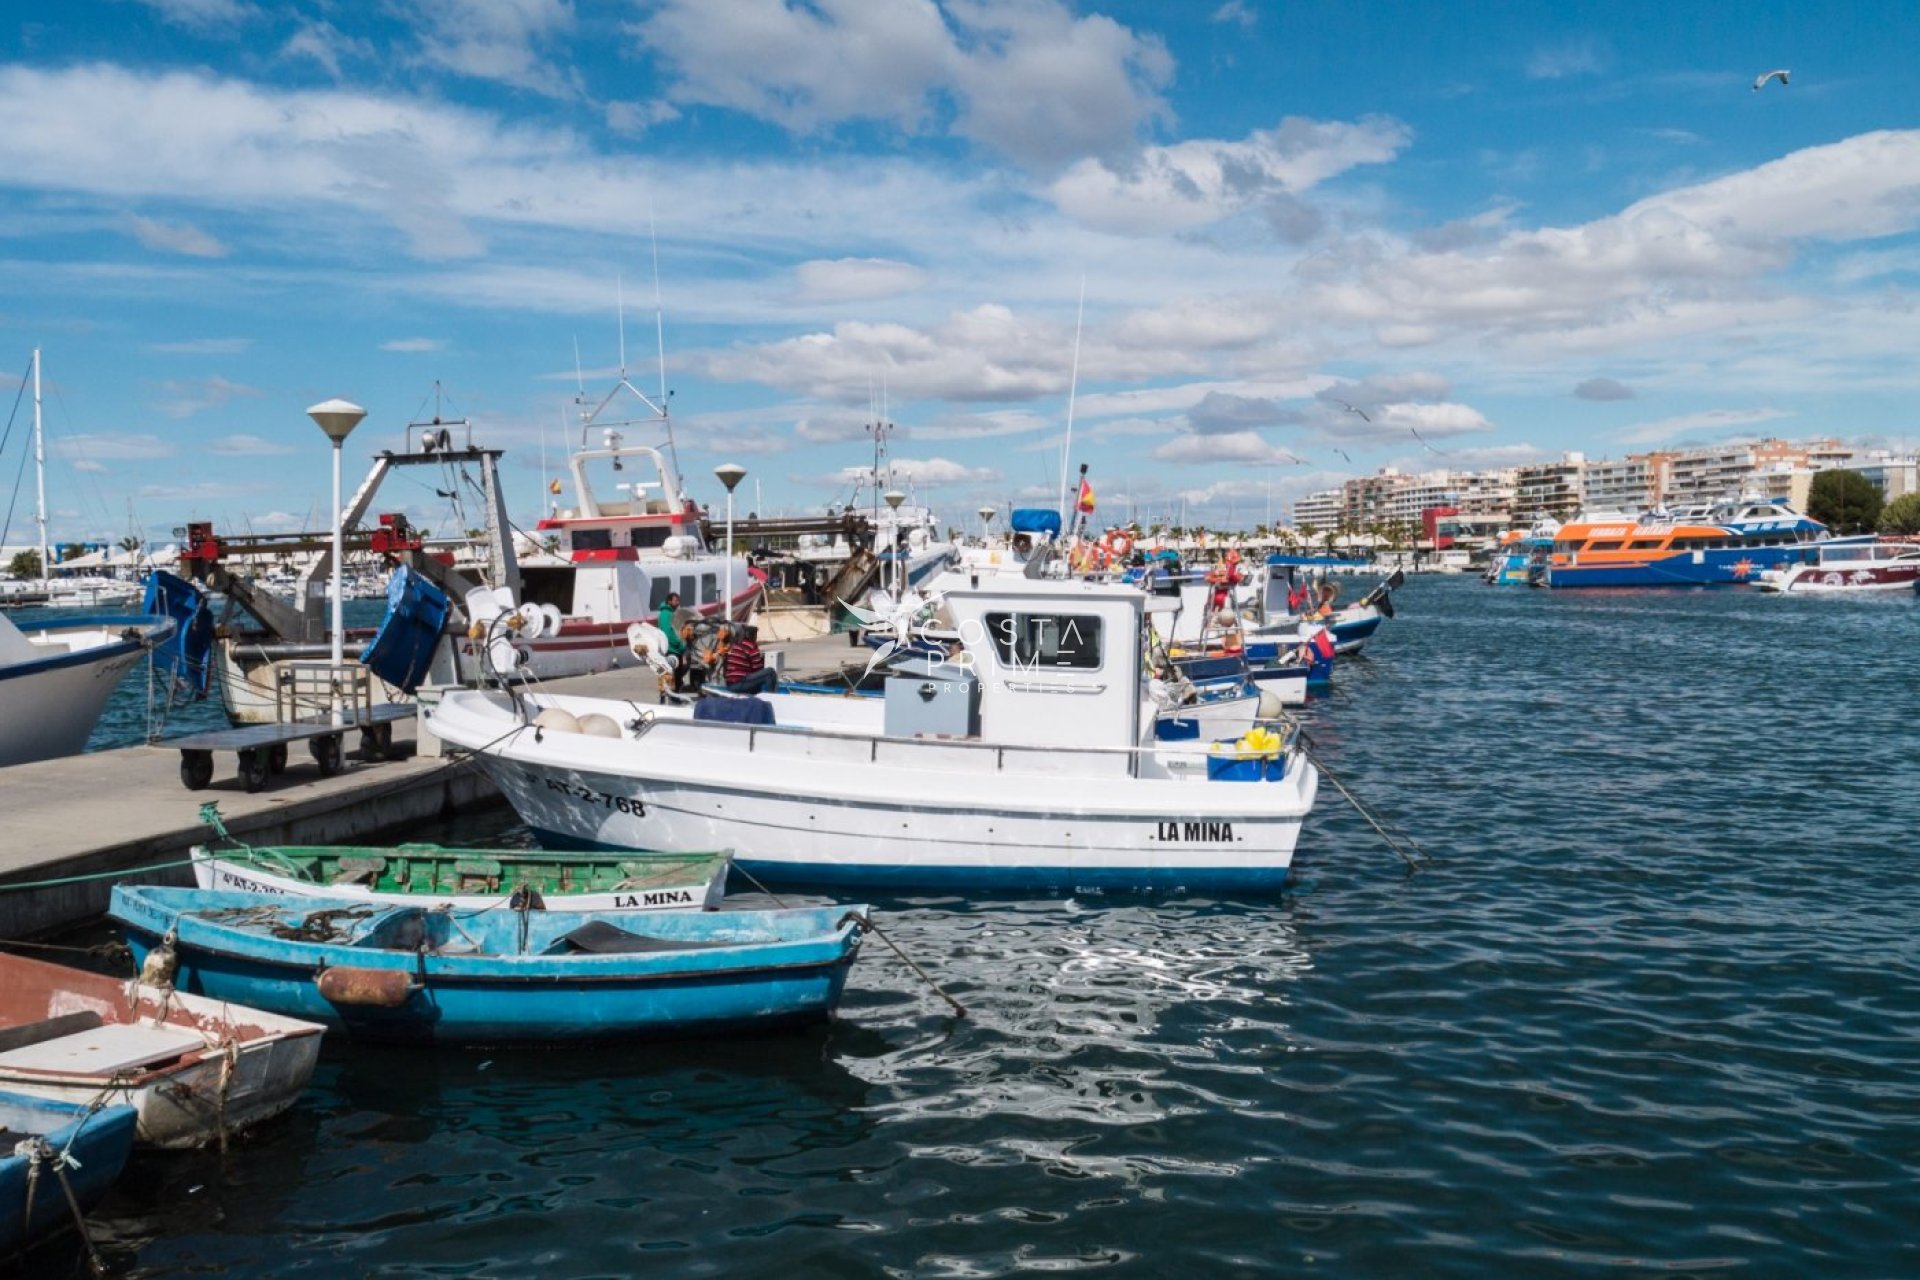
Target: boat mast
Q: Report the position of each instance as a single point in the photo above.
(40, 475)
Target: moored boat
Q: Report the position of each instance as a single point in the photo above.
(469, 879)
(1728, 544)
(54, 1148)
(1847, 566)
(439, 975)
(56, 674)
(1032, 763)
(192, 1068)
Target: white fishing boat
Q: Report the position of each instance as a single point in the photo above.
(56, 674)
(1848, 566)
(194, 1069)
(1030, 761)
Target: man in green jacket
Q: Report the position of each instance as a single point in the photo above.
(676, 647)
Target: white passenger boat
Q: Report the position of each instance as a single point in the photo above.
(1032, 761)
(1847, 566)
(56, 675)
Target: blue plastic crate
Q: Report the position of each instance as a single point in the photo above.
(1231, 769)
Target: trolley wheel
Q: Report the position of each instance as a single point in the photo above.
(326, 753)
(277, 758)
(196, 769)
(376, 742)
(254, 768)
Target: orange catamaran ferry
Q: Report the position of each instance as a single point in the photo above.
(1728, 544)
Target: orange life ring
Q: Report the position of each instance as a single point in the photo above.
(1118, 544)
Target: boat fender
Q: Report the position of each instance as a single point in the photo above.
(595, 725)
(556, 719)
(377, 988)
(1271, 707)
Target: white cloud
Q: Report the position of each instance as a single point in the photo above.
(175, 237)
(204, 16)
(1707, 424)
(89, 465)
(1583, 57)
(327, 45)
(248, 446)
(1247, 448)
(1190, 184)
(1603, 389)
(201, 347)
(854, 279)
(918, 471)
(1027, 77)
(414, 344)
(1236, 12)
(634, 118)
(112, 448)
(498, 40)
(183, 399)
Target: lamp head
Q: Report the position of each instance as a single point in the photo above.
(337, 418)
(730, 474)
(894, 498)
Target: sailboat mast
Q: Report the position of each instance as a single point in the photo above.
(40, 474)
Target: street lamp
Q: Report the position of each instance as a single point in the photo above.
(986, 518)
(337, 418)
(894, 498)
(730, 475)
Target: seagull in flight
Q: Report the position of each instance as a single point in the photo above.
(1424, 445)
(1351, 409)
(1342, 452)
(1781, 75)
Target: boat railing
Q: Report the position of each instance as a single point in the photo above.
(1024, 757)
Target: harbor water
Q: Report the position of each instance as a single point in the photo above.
(1653, 1008)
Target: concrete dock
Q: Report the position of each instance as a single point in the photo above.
(105, 814)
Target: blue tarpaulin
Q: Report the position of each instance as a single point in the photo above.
(1036, 520)
(734, 710)
(402, 650)
(188, 654)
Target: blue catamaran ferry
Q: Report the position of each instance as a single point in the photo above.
(1727, 544)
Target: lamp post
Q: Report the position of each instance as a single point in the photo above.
(893, 499)
(730, 475)
(986, 519)
(337, 418)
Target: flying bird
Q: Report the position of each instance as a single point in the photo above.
(1350, 409)
(1423, 443)
(1342, 452)
(1782, 74)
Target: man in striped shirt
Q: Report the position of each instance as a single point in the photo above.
(745, 669)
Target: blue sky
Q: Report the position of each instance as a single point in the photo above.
(1499, 230)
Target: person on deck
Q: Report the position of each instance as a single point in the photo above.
(667, 621)
(745, 668)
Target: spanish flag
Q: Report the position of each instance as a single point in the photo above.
(554, 487)
(1086, 496)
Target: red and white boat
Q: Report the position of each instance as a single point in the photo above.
(623, 557)
(1842, 566)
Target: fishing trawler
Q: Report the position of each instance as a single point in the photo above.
(1729, 543)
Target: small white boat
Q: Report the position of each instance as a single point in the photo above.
(1848, 566)
(192, 1067)
(1031, 761)
(56, 675)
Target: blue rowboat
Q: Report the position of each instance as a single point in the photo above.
(67, 1140)
(441, 975)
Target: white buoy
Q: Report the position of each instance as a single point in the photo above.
(560, 721)
(595, 725)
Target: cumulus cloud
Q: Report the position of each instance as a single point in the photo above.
(175, 237)
(1236, 12)
(1603, 389)
(326, 45)
(920, 471)
(1190, 184)
(1029, 79)
(1246, 448)
(634, 118)
(854, 279)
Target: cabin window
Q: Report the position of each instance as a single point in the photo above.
(686, 592)
(1604, 546)
(652, 535)
(593, 539)
(1046, 640)
(709, 588)
(658, 589)
(1647, 544)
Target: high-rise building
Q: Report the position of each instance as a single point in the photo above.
(1547, 489)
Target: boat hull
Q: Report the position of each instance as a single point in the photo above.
(49, 705)
(99, 1142)
(866, 822)
(190, 1068)
(769, 975)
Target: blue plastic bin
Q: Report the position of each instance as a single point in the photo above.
(1230, 769)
